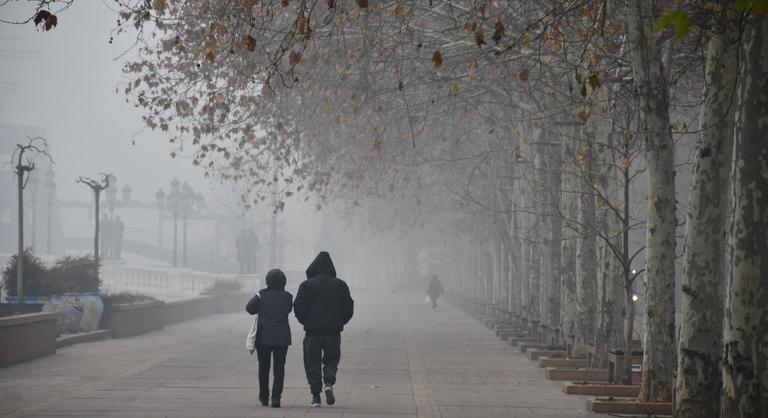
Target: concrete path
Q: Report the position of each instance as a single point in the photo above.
(399, 359)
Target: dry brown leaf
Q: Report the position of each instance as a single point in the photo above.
(583, 115)
(498, 31)
(522, 74)
(480, 37)
(294, 57)
(400, 10)
(250, 42)
(302, 25)
(437, 58)
(594, 82)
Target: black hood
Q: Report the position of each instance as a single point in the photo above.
(275, 279)
(321, 265)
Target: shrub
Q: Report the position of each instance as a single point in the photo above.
(68, 274)
(128, 298)
(224, 286)
(34, 275)
(74, 274)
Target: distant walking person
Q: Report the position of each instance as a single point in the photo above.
(240, 248)
(323, 305)
(434, 290)
(273, 334)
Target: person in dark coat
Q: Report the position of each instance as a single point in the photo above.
(273, 334)
(323, 305)
(434, 290)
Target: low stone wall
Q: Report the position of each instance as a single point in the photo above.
(184, 310)
(232, 302)
(139, 318)
(26, 337)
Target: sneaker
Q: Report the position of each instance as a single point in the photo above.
(329, 398)
(315, 400)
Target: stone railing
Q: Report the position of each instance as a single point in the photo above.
(167, 283)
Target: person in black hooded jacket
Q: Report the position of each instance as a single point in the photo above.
(273, 333)
(323, 305)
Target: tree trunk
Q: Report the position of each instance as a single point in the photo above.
(701, 333)
(549, 178)
(543, 232)
(745, 361)
(568, 309)
(585, 256)
(526, 235)
(651, 83)
(534, 244)
(96, 195)
(610, 283)
(20, 253)
(515, 253)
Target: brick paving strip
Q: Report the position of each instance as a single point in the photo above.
(399, 359)
(426, 407)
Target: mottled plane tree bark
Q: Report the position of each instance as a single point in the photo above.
(745, 361)
(568, 207)
(653, 102)
(610, 284)
(585, 251)
(699, 375)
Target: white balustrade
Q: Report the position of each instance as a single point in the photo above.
(166, 283)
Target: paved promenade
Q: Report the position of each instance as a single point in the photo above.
(399, 359)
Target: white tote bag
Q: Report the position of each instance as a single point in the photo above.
(250, 340)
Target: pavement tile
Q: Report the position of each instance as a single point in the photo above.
(399, 359)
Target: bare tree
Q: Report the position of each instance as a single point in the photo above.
(23, 167)
(97, 186)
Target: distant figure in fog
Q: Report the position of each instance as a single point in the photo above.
(119, 230)
(434, 290)
(273, 334)
(323, 305)
(240, 248)
(252, 249)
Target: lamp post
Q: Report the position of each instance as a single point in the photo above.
(174, 204)
(160, 199)
(188, 203)
(50, 188)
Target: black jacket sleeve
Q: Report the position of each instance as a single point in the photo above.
(253, 305)
(348, 305)
(300, 304)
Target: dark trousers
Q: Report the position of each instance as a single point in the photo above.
(321, 360)
(433, 299)
(271, 354)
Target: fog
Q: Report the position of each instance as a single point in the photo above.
(64, 88)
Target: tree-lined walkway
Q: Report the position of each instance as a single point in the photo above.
(399, 359)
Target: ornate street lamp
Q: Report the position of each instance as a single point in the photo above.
(160, 199)
(188, 203)
(174, 204)
(126, 191)
(50, 188)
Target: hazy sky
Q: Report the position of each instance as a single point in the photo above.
(64, 81)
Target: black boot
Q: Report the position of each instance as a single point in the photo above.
(275, 402)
